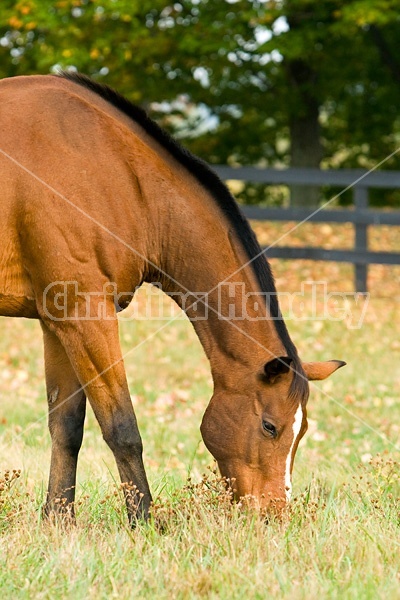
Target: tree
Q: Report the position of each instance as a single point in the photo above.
(279, 82)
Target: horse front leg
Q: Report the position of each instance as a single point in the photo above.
(94, 352)
(67, 406)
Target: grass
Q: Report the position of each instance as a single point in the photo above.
(341, 536)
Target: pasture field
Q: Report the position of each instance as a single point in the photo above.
(340, 538)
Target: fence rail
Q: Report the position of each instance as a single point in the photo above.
(360, 216)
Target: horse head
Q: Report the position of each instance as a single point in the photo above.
(253, 430)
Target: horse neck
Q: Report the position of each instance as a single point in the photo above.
(203, 271)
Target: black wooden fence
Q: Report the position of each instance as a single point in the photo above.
(360, 215)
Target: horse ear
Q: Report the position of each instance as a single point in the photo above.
(277, 366)
(316, 371)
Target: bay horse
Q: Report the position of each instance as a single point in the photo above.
(94, 192)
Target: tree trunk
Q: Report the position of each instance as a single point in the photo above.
(305, 151)
(305, 139)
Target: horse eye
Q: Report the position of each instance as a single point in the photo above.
(269, 428)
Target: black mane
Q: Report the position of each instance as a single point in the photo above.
(222, 196)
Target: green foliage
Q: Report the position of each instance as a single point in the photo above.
(254, 67)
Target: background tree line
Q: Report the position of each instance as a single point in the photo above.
(274, 83)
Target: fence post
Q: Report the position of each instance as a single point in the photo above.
(361, 241)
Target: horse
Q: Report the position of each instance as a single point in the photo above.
(95, 194)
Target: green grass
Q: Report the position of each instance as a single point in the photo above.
(341, 537)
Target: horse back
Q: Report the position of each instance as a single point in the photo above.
(68, 193)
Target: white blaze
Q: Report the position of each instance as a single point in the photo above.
(298, 419)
